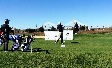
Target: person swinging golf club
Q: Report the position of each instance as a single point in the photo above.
(60, 28)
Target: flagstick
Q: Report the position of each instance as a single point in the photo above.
(31, 49)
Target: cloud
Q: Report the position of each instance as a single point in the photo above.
(71, 23)
(47, 25)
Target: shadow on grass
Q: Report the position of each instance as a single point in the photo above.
(29, 50)
(39, 50)
(74, 42)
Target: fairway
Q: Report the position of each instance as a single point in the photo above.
(87, 51)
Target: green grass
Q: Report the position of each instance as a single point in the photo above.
(91, 51)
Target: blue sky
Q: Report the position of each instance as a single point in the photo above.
(28, 13)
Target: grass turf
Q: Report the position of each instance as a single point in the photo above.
(90, 51)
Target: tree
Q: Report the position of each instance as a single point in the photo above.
(41, 29)
(97, 27)
(53, 29)
(103, 27)
(76, 28)
(91, 27)
(36, 28)
(82, 27)
(30, 30)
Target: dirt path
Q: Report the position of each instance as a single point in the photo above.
(39, 36)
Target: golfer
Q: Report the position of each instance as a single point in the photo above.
(5, 33)
(60, 28)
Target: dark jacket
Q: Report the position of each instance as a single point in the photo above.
(60, 27)
(28, 40)
(5, 30)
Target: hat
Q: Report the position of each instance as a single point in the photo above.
(7, 20)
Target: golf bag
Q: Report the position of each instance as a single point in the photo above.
(17, 39)
(15, 46)
(1, 40)
(26, 45)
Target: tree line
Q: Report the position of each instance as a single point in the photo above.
(76, 28)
